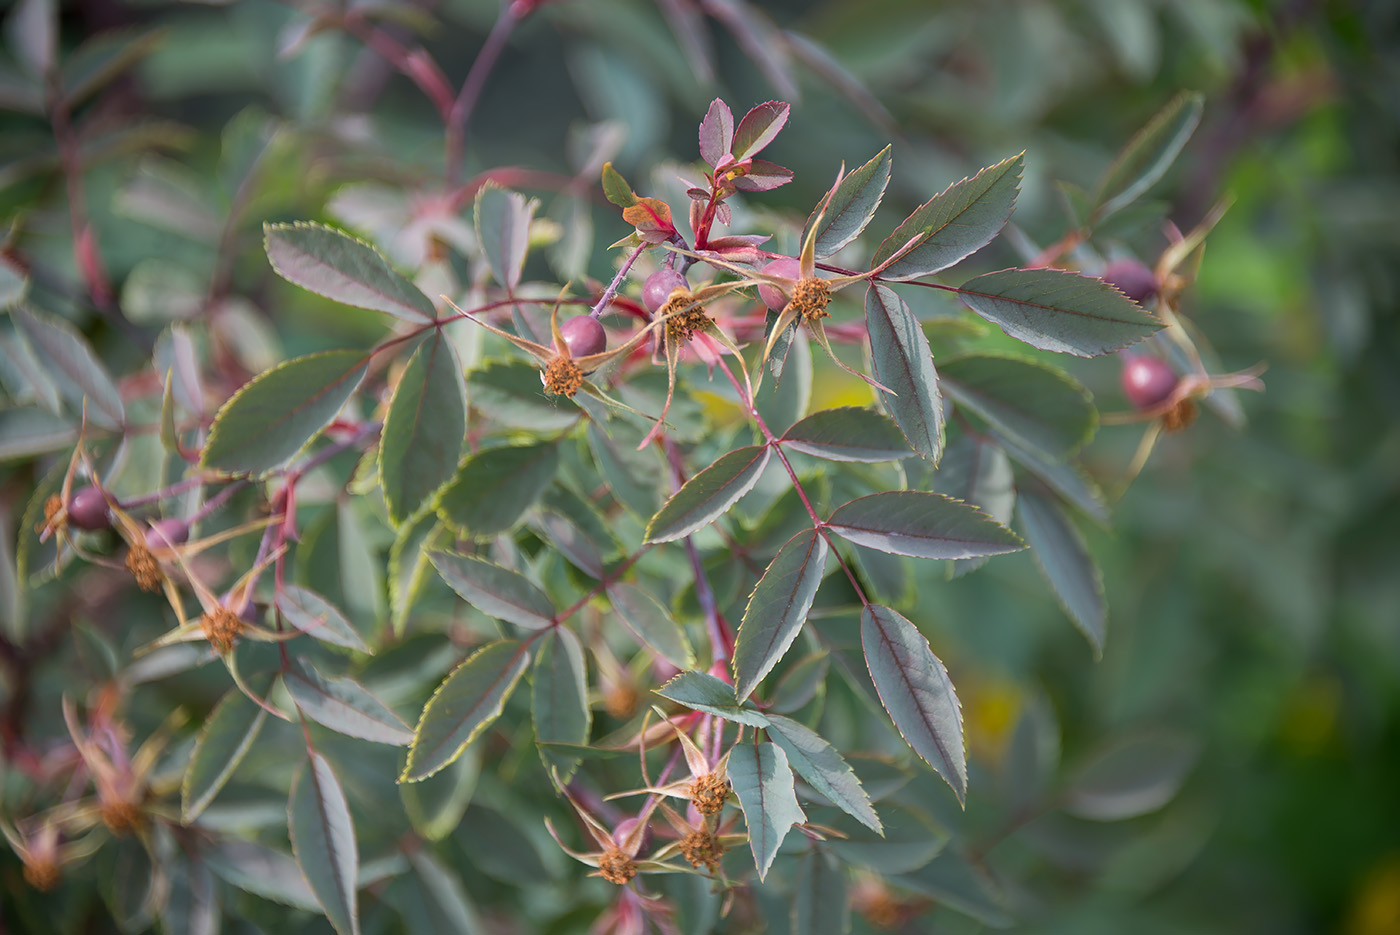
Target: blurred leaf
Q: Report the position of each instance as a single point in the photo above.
(954, 224)
(1039, 406)
(503, 230)
(759, 127)
(435, 900)
(275, 415)
(636, 478)
(915, 690)
(1056, 310)
(704, 692)
(847, 433)
(1148, 155)
(924, 525)
(820, 903)
(559, 697)
(463, 706)
(495, 487)
(75, 370)
(903, 362)
(1132, 776)
(103, 57)
(25, 433)
(495, 591)
(344, 705)
(223, 741)
(800, 684)
(784, 399)
(961, 887)
(333, 264)
(977, 471)
(909, 841)
(435, 806)
(22, 375)
(651, 623)
(423, 429)
(852, 206)
(762, 782)
(312, 614)
(818, 762)
(707, 495)
(193, 905)
(777, 609)
(31, 34)
(262, 871)
(14, 283)
(1064, 477)
(408, 566)
(323, 840)
(1064, 559)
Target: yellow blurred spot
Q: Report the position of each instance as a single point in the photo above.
(1377, 907)
(990, 708)
(1309, 719)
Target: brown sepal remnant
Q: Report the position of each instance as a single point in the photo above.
(684, 324)
(52, 522)
(221, 628)
(616, 867)
(708, 793)
(142, 564)
(121, 816)
(42, 873)
(810, 297)
(562, 377)
(701, 848)
(1180, 416)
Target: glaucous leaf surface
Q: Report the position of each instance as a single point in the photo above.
(312, 614)
(704, 692)
(915, 689)
(818, 762)
(1148, 155)
(70, 364)
(777, 609)
(1040, 406)
(977, 471)
(1056, 310)
(275, 415)
(1064, 559)
(333, 264)
(709, 494)
(852, 205)
(651, 623)
(494, 488)
(222, 742)
(423, 429)
(903, 362)
(495, 591)
(559, 696)
(762, 781)
(503, 231)
(847, 433)
(464, 705)
(923, 525)
(323, 840)
(1134, 775)
(345, 706)
(821, 904)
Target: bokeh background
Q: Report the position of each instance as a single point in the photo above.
(1253, 574)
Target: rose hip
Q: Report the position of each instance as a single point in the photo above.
(583, 336)
(786, 267)
(1147, 381)
(88, 510)
(658, 288)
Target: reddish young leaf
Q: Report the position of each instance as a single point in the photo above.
(758, 128)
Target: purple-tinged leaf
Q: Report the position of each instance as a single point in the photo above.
(345, 706)
(277, 414)
(703, 692)
(759, 127)
(716, 132)
(923, 525)
(1148, 155)
(261, 871)
(1038, 405)
(777, 609)
(1064, 559)
(977, 471)
(493, 488)
(824, 768)
(315, 616)
(651, 623)
(847, 433)
(1064, 477)
(762, 781)
(423, 429)
(1130, 777)
(914, 688)
(70, 363)
(762, 176)
(323, 840)
(708, 494)
(224, 739)
(464, 705)
(495, 591)
(903, 362)
(559, 697)
(955, 223)
(503, 230)
(851, 206)
(333, 264)
(821, 904)
(1056, 310)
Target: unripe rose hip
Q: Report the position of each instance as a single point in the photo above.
(167, 533)
(1132, 279)
(1147, 381)
(583, 336)
(626, 827)
(88, 510)
(785, 267)
(658, 288)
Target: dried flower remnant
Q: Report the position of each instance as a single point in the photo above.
(221, 627)
(616, 867)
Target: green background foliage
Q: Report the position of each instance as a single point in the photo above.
(1229, 763)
